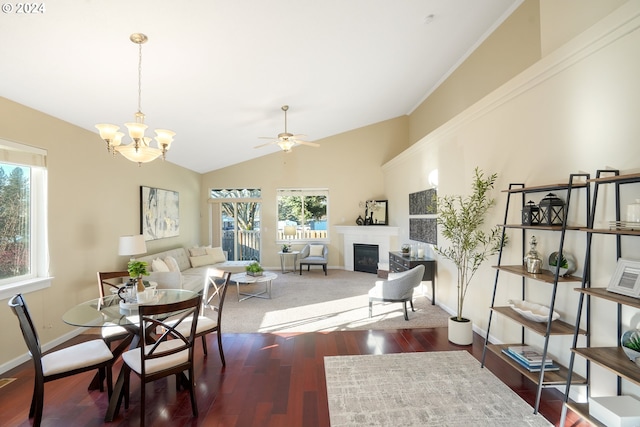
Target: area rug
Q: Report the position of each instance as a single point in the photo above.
(314, 302)
(421, 389)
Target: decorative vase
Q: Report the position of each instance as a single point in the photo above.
(460, 332)
(140, 287)
(633, 355)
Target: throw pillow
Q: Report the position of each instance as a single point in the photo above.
(217, 253)
(172, 263)
(199, 261)
(159, 265)
(316, 250)
(197, 251)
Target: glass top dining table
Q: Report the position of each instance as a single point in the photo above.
(108, 311)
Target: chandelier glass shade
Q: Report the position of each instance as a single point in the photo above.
(140, 149)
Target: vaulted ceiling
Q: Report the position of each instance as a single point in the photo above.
(217, 72)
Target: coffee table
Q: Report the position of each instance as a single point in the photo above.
(243, 278)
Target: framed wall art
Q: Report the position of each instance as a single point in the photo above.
(626, 278)
(423, 202)
(423, 230)
(159, 213)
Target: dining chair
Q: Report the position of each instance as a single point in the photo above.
(214, 292)
(111, 332)
(170, 354)
(86, 356)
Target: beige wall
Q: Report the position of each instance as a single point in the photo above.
(560, 21)
(573, 111)
(93, 199)
(348, 164)
(511, 48)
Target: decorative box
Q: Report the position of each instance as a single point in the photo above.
(615, 411)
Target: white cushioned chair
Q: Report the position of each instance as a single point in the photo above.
(314, 254)
(397, 288)
(83, 357)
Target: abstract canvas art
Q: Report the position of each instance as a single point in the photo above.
(423, 202)
(159, 213)
(423, 230)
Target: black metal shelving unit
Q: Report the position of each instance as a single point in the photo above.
(550, 328)
(610, 358)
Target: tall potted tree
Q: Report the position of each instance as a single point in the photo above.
(461, 220)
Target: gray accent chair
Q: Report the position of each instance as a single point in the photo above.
(308, 258)
(397, 288)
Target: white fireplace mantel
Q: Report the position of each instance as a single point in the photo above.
(382, 235)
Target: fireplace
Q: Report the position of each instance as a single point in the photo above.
(365, 258)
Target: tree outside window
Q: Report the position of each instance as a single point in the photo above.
(15, 221)
(303, 212)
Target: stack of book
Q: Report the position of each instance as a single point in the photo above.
(530, 358)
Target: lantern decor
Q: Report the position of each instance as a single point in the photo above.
(551, 210)
(530, 214)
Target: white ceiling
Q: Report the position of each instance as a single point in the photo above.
(217, 72)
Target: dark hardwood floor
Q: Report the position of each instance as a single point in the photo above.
(269, 380)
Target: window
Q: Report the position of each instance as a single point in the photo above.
(23, 237)
(302, 214)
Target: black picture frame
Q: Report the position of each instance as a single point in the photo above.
(424, 230)
(380, 215)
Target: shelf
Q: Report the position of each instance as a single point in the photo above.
(558, 327)
(551, 378)
(541, 188)
(541, 227)
(612, 358)
(609, 231)
(617, 179)
(582, 409)
(544, 276)
(611, 296)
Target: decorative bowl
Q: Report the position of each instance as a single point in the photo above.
(533, 311)
(633, 355)
(571, 263)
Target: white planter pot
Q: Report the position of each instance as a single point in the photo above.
(460, 333)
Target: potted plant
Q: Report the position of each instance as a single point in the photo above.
(286, 248)
(461, 220)
(254, 269)
(565, 263)
(136, 270)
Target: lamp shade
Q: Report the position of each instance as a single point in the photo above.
(132, 245)
(290, 230)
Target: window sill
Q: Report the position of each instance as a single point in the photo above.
(24, 287)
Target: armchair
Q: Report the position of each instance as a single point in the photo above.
(398, 288)
(314, 254)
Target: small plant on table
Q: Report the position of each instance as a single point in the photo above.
(254, 269)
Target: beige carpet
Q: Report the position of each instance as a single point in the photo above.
(433, 389)
(315, 302)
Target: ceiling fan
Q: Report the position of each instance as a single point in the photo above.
(285, 140)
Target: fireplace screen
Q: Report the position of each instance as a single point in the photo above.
(365, 258)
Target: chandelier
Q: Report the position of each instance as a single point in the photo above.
(139, 150)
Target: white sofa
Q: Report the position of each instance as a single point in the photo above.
(192, 265)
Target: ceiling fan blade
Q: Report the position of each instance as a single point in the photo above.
(310, 144)
(264, 145)
(268, 137)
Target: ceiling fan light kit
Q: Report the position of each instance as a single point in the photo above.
(285, 140)
(140, 149)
